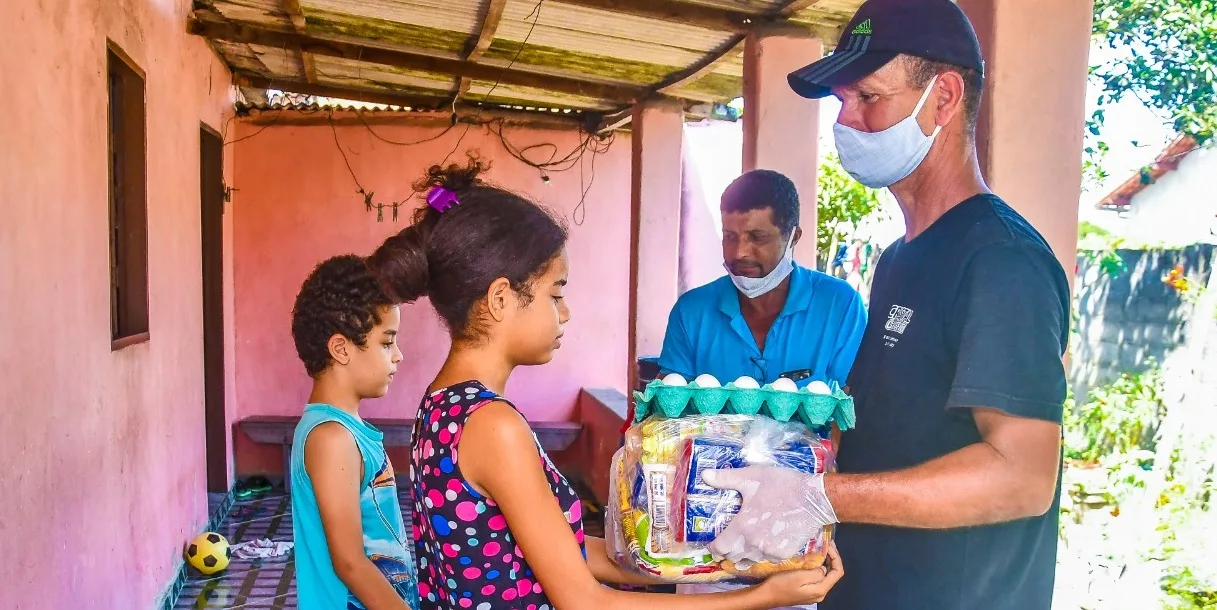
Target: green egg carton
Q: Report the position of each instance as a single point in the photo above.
(812, 409)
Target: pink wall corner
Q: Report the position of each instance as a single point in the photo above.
(103, 464)
(296, 204)
(231, 363)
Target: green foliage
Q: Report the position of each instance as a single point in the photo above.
(842, 203)
(1165, 54)
(1185, 523)
(1113, 455)
(1088, 230)
(1167, 58)
(1119, 419)
(1104, 253)
(1093, 174)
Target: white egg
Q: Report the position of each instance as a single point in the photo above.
(747, 383)
(819, 387)
(783, 384)
(674, 379)
(706, 380)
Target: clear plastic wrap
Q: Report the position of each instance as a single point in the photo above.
(662, 516)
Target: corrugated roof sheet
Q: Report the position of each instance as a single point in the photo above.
(637, 47)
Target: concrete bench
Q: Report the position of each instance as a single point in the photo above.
(279, 430)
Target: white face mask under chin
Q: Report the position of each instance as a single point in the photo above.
(753, 287)
(883, 158)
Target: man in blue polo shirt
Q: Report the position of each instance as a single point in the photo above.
(768, 317)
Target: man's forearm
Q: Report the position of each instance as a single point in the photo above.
(975, 485)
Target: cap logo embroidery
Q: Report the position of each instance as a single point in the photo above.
(863, 29)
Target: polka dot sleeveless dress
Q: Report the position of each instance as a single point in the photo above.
(467, 557)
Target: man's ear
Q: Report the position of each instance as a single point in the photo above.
(798, 234)
(499, 297)
(950, 102)
(340, 347)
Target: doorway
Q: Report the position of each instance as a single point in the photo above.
(211, 200)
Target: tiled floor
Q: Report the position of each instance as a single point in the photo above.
(269, 584)
(260, 584)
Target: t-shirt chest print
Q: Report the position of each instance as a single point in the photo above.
(898, 319)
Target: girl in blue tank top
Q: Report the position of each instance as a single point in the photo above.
(352, 547)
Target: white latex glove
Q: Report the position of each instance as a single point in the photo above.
(781, 511)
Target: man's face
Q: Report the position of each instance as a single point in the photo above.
(752, 243)
(883, 99)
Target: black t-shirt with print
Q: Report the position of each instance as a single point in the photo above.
(972, 312)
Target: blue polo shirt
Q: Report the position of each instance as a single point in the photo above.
(818, 330)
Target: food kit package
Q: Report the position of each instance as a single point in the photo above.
(662, 516)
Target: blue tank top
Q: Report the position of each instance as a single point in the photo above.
(384, 534)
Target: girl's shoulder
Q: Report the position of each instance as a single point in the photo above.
(457, 402)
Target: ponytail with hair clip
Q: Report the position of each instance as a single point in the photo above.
(441, 198)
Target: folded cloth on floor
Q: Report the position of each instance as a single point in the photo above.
(260, 549)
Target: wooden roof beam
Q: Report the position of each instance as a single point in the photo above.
(251, 34)
(704, 66)
(700, 15)
(616, 120)
(796, 6)
(489, 25)
(292, 7)
(491, 16)
(728, 50)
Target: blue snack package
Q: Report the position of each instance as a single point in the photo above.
(702, 511)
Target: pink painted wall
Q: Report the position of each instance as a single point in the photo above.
(296, 205)
(701, 243)
(102, 461)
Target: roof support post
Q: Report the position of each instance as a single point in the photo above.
(1029, 137)
(657, 137)
(781, 129)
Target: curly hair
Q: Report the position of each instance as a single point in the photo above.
(454, 257)
(340, 297)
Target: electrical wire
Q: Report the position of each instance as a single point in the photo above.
(536, 15)
(588, 142)
(388, 141)
(367, 196)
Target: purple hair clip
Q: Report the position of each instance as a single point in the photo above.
(441, 199)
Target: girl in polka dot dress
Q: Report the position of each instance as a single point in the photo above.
(495, 524)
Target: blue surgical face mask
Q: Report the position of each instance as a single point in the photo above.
(753, 287)
(883, 158)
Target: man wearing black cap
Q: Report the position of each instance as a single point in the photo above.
(949, 488)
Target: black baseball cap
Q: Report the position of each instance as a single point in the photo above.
(937, 30)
